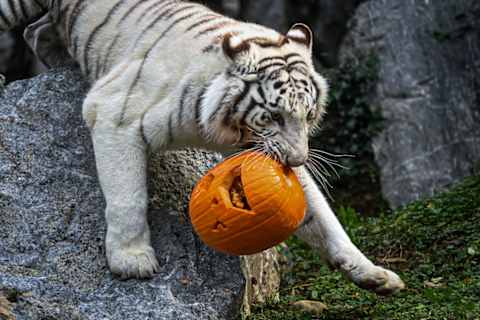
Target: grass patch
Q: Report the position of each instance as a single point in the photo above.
(433, 244)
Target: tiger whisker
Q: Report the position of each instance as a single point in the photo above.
(321, 167)
(323, 174)
(320, 178)
(332, 154)
(329, 162)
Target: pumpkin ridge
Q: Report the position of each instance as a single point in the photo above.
(224, 240)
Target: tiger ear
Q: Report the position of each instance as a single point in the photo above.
(301, 33)
(234, 46)
(243, 56)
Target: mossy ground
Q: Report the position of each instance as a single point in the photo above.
(433, 244)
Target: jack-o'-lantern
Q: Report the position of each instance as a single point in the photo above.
(247, 204)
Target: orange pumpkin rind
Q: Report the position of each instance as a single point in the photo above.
(247, 204)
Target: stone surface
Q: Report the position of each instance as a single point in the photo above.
(52, 230)
(428, 90)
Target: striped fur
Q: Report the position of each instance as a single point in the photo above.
(253, 73)
(166, 74)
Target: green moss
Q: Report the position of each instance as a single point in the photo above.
(433, 244)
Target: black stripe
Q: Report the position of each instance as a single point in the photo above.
(72, 18)
(272, 74)
(97, 66)
(303, 71)
(262, 93)
(170, 129)
(270, 58)
(23, 10)
(277, 64)
(291, 55)
(215, 27)
(212, 117)
(290, 65)
(212, 17)
(142, 130)
(175, 22)
(5, 20)
(180, 10)
(198, 105)
(249, 109)
(242, 135)
(183, 96)
(315, 85)
(39, 4)
(234, 108)
(13, 10)
(151, 7)
(277, 101)
(308, 219)
(168, 14)
(94, 33)
(109, 52)
(130, 11)
(75, 47)
(151, 24)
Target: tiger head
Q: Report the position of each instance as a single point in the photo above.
(270, 97)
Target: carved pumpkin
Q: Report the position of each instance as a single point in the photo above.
(247, 204)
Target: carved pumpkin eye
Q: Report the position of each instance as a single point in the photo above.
(247, 204)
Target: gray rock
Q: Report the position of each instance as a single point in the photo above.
(428, 91)
(52, 230)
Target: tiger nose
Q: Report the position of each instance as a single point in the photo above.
(296, 159)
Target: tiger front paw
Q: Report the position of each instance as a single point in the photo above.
(133, 262)
(376, 279)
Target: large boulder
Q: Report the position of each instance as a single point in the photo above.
(428, 90)
(52, 259)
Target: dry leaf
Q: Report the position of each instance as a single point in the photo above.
(313, 307)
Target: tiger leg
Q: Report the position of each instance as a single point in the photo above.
(121, 163)
(323, 232)
(120, 154)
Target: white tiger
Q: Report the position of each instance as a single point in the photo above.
(167, 74)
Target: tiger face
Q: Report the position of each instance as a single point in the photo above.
(273, 98)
